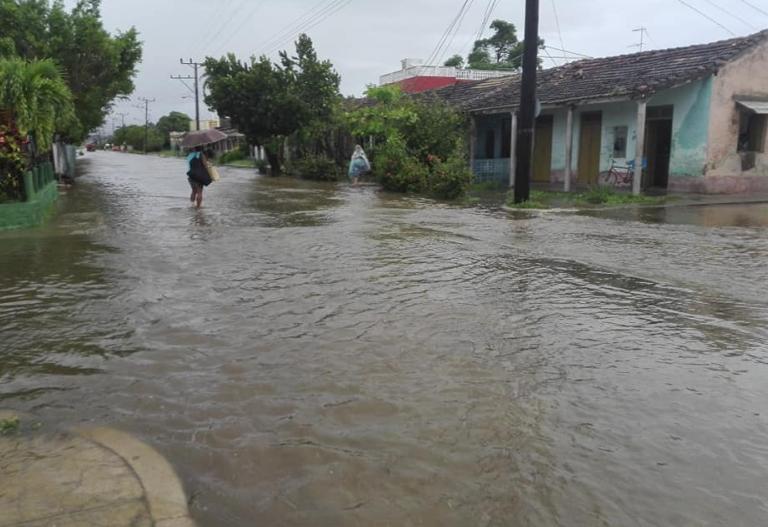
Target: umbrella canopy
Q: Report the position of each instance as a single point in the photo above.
(202, 137)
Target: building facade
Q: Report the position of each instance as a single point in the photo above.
(417, 77)
(700, 112)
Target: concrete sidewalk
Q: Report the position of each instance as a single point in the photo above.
(93, 476)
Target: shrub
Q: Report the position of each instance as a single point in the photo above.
(233, 155)
(451, 178)
(12, 165)
(316, 167)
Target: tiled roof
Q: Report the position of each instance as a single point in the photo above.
(623, 76)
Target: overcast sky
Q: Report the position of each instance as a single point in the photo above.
(367, 38)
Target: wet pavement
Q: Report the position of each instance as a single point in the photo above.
(313, 354)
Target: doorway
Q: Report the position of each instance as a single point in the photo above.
(658, 149)
(542, 149)
(589, 148)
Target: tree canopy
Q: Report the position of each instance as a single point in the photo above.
(173, 122)
(39, 99)
(133, 135)
(98, 67)
(267, 101)
(500, 51)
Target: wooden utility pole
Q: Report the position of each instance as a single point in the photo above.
(527, 117)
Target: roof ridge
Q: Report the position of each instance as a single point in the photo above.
(752, 39)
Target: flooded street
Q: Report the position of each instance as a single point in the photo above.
(316, 355)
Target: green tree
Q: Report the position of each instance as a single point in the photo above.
(268, 102)
(457, 61)
(502, 50)
(133, 135)
(419, 142)
(98, 67)
(173, 122)
(37, 96)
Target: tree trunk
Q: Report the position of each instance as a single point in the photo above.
(273, 159)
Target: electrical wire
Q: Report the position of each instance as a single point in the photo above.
(455, 32)
(732, 15)
(444, 38)
(557, 24)
(569, 52)
(215, 33)
(338, 6)
(702, 13)
(308, 15)
(246, 19)
(753, 6)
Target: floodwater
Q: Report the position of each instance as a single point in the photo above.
(317, 355)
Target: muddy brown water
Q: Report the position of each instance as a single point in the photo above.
(313, 354)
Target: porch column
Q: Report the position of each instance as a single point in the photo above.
(472, 142)
(512, 150)
(568, 149)
(637, 176)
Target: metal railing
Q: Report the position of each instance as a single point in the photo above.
(491, 170)
(441, 71)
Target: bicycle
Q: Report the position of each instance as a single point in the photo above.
(620, 175)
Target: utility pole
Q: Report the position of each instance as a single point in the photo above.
(195, 77)
(527, 117)
(146, 120)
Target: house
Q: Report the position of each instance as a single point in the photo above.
(416, 77)
(701, 110)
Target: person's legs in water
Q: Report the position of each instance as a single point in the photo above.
(199, 196)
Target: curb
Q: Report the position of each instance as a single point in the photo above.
(162, 488)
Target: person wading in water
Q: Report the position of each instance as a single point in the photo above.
(358, 165)
(197, 175)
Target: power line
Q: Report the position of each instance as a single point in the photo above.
(286, 30)
(444, 38)
(331, 10)
(569, 52)
(557, 24)
(455, 32)
(550, 57)
(246, 19)
(215, 33)
(702, 13)
(733, 15)
(753, 6)
(313, 15)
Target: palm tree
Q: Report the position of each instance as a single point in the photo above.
(37, 96)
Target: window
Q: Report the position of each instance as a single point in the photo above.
(751, 132)
(620, 142)
(490, 143)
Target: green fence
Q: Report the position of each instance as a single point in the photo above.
(41, 191)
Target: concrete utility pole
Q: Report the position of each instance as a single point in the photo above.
(146, 120)
(527, 117)
(122, 116)
(195, 77)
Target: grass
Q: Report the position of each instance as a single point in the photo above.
(595, 196)
(240, 163)
(9, 426)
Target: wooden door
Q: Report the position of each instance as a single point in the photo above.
(589, 148)
(542, 150)
(658, 148)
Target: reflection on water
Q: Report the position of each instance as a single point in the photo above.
(314, 354)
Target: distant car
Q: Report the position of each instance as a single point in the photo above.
(90, 147)
(116, 148)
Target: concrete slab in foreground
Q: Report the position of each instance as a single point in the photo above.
(93, 476)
